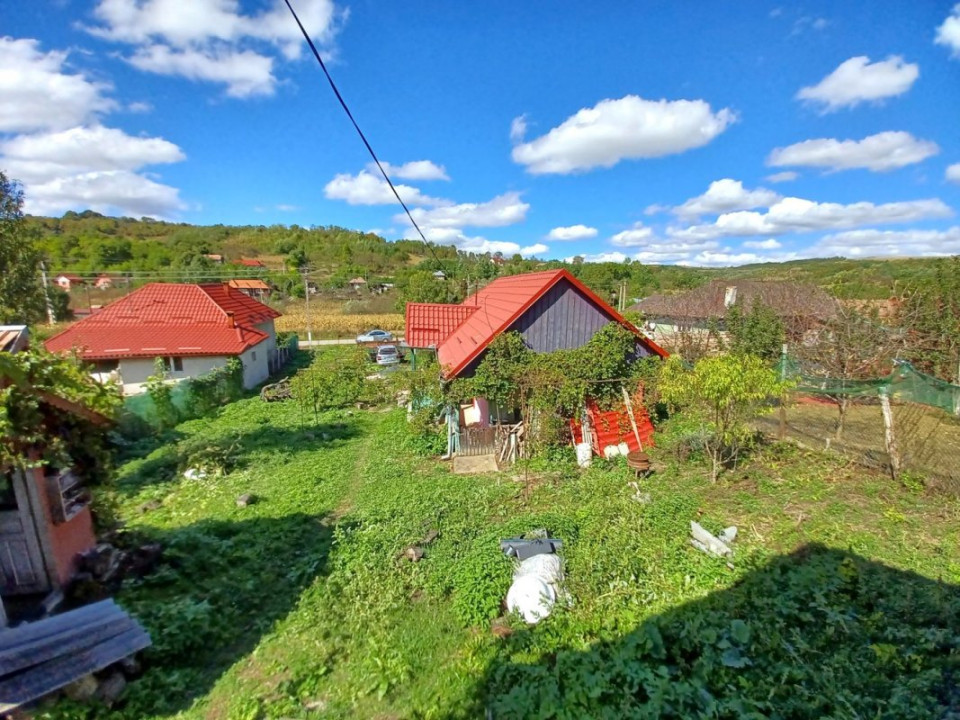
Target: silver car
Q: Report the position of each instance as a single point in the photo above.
(372, 336)
(388, 355)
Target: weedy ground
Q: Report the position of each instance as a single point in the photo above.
(842, 599)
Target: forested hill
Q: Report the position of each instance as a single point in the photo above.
(89, 244)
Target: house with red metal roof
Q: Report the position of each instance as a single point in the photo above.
(552, 310)
(194, 328)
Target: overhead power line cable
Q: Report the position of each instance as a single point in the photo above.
(363, 137)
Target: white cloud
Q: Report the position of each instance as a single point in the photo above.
(770, 244)
(140, 107)
(723, 196)
(210, 40)
(365, 188)
(949, 33)
(505, 209)
(38, 94)
(637, 235)
(572, 232)
(91, 167)
(624, 129)
(112, 192)
(728, 258)
(880, 243)
(415, 170)
(858, 80)
(47, 156)
(245, 73)
(518, 128)
(535, 249)
(282, 207)
(791, 214)
(664, 253)
(953, 173)
(785, 176)
(879, 153)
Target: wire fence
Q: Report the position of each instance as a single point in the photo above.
(906, 424)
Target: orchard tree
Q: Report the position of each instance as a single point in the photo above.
(854, 344)
(21, 291)
(723, 393)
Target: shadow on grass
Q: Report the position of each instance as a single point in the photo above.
(220, 587)
(167, 462)
(817, 633)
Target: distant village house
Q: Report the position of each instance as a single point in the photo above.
(358, 283)
(251, 288)
(801, 306)
(68, 280)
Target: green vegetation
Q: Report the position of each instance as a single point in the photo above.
(841, 600)
(30, 381)
(719, 396)
(88, 242)
(21, 292)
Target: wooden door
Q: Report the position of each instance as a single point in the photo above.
(21, 563)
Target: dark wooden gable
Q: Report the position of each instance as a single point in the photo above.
(562, 319)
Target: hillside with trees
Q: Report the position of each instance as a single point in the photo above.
(89, 244)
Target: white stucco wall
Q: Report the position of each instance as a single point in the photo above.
(268, 328)
(256, 367)
(137, 370)
(256, 364)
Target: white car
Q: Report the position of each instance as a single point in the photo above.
(373, 336)
(388, 355)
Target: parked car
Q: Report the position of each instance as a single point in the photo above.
(388, 355)
(373, 336)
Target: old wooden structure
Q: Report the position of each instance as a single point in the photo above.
(45, 520)
(551, 310)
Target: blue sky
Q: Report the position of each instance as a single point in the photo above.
(669, 132)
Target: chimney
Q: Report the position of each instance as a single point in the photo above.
(231, 323)
(730, 296)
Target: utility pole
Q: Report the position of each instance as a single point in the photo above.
(51, 318)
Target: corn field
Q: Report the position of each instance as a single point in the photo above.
(326, 321)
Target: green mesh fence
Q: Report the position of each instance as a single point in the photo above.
(905, 383)
(144, 408)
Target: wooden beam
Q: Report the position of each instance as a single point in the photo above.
(42, 679)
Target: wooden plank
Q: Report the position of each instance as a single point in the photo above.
(57, 623)
(40, 680)
(70, 640)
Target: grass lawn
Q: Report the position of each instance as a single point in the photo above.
(842, 600)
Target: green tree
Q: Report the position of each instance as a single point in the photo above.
(422, 286)
(21, 291)
(931, 314)
(723, 393)
(758, 331)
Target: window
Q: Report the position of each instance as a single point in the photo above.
(253, 355)
(173, 364)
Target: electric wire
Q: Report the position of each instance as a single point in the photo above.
(363, 137)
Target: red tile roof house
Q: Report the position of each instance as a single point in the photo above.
(552, 310)
(66, 280)
(195, 328)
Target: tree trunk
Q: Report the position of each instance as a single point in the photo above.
(843, 404)
(889, 437)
